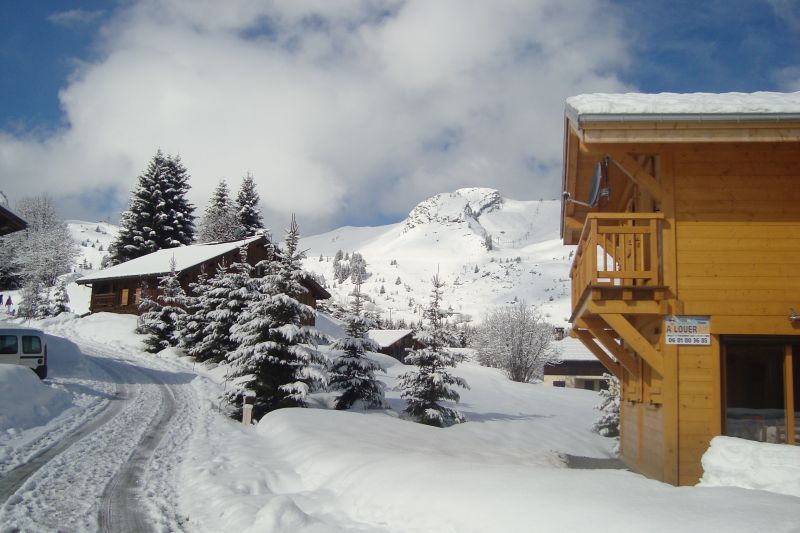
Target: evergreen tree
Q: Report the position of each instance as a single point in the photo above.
(248, 213)
(196, 319)
(608, 423)
(351, 372)
(61, 300)
(34, 302)
(228, 295)
(219, 222)
(178, 221)
(162, 322)
(431, 383)
(159, 215)
(276, 359)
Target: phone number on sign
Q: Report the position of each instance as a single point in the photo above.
(683, 339)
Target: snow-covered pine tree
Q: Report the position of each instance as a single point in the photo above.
(178, 213)
(424, 388)
(196, 319)
(276, 358)
(607, 424)
(60, 300)
(352, 372)
(159, 215)
(228, 295)
(219, 223)
(247, 210)
(138, 225)
(162, 322)
(34, 300)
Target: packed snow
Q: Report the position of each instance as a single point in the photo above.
(321, 470)
(683, 104)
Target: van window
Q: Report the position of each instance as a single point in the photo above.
(31, 344)
(8, 344)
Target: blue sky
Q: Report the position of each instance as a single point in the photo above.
(372, 106)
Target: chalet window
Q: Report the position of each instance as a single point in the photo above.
(761, 388)
(124, 298)
(137, 296)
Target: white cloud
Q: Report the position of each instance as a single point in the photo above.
(342, 110)
(74, 17)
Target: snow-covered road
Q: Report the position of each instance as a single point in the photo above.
(121, 460)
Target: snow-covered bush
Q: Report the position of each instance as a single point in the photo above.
(607, 423)
(351, 372)
(517, 340)
(424, 388)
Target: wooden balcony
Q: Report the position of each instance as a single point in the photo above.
(104, 300)
(618, 260)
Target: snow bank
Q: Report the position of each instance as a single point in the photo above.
(26, 400)
(732, 462)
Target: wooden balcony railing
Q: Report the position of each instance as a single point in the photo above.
(617, 250)
(108, 299)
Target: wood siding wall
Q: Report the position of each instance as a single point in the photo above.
(737, 210)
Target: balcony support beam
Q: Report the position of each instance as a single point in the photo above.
(638, 174)
(588, 340)
(598, 329)
(636, 341)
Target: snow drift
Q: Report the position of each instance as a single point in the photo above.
(732, 462)
(28, 401)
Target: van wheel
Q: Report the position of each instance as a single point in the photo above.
(41, 371)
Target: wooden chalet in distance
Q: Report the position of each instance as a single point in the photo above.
(119, 289)
(395, 342)
(686, 213)
(10, 222)
(578, 368)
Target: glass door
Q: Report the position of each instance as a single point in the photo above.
(761, 390)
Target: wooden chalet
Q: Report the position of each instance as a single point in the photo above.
(119, 289)
(685, 210)
(395, 342)
(10, 222)
(578, 369)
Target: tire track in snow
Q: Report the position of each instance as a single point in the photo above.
(120, 508)
(11, 481)
(106, 465)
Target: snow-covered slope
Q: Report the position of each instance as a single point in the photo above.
(446, 233)
(93, 239)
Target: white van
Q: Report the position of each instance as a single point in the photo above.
(24, 346)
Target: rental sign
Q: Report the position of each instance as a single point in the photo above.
(694, 330)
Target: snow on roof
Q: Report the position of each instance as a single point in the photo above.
(573, 350)
(387, 337)
(158, 262)
(686, 106)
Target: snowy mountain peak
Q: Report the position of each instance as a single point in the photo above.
(462, 205)
(448, 234)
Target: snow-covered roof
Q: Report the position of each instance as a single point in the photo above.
(690, 106)
(573, 350)
(387, 337)
(158, 262)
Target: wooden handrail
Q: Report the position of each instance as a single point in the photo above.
(629, 243)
